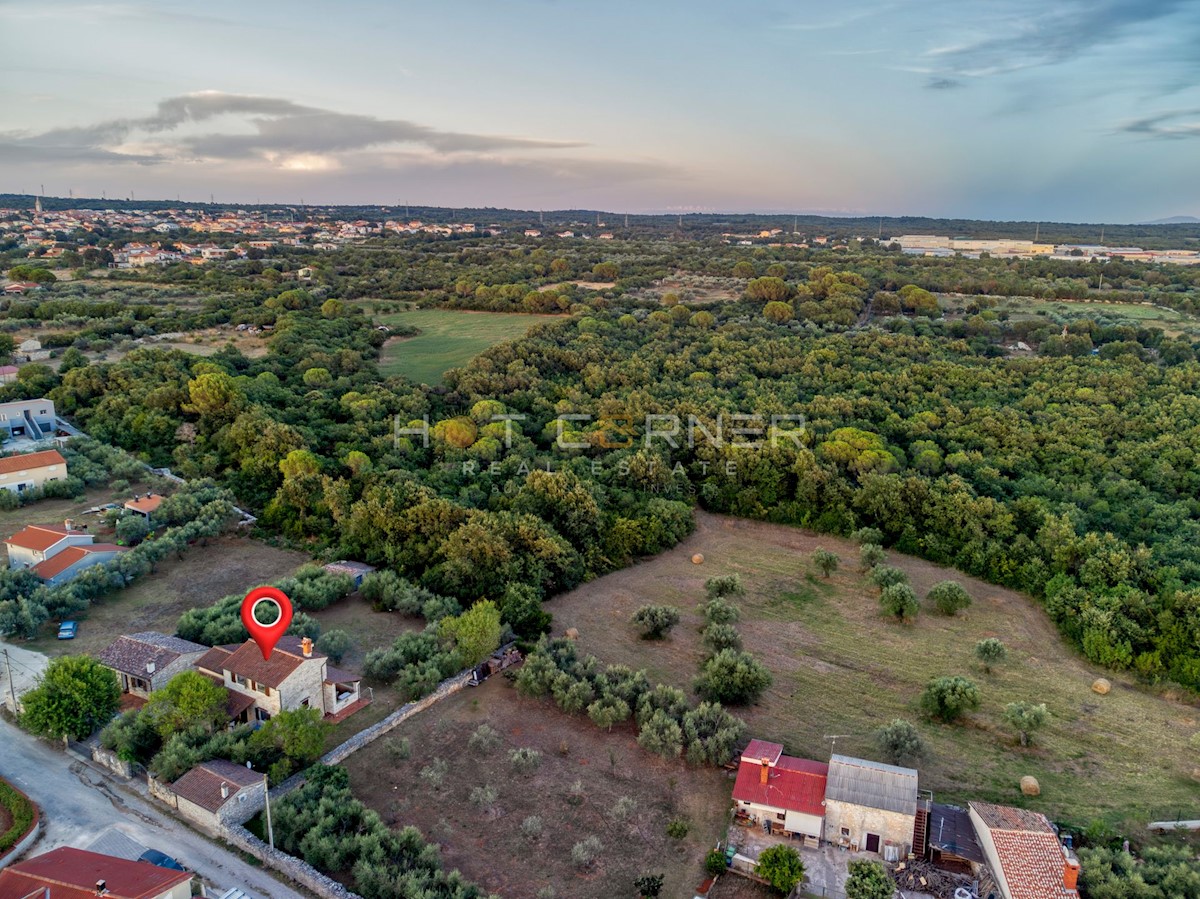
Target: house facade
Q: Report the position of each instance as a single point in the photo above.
(295, 677)
(780, 793)
(1023, 853)
(31, 419)
(218, 792)
(145, 662)
(870, 806)
(28, 471)
(35, 544)
(67, 873)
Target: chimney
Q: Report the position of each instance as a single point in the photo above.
(1070, 870)
(101, 887)
(224, 790)
(151, 667)
(69, 524)
(765, 771)
(306, 646)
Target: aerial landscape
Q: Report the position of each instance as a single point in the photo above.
(758, 458)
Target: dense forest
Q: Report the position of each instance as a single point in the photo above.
(1068, 471)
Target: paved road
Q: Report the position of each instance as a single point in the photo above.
(25, 664)
(79, 804)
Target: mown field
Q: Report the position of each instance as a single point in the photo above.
(576, 791)
(1172, 322)
(448, 339)
(843, 669)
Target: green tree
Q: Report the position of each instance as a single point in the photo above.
(653, 622)
(781, 867)
(949, 597)
(1025, 718)
(827, 562)
(662, 735)
(476, 632)
(990, 651)
(900, 742)
(871, 555)
(732, 678)
(607, 711)
(724, 586)
(189, 700)
(869, 880)
(744, 269)
(778, 312)
(521, 609)
(900, 601)
(335, 644)
(649, 886)
(75, 695)
(299, 734)
(948, 698)
(132, 529)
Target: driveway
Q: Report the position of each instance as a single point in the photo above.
(79, 805)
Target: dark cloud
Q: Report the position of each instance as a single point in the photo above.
(943, 84)
(281, 128)
(1174, 125)
(1039, 34)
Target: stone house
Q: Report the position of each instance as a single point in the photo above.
(218, 792)
(145, 662)
(67, 873)
(780, 793)
(870, 806)
(1024, 854)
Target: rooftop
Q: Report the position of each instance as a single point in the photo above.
(145, 504)
(1032, 861)
(40, 537)
(950, 831)
(246, 660)
(872, 784)
(202, 785)
(757, 750)
(793, 784)
(132, 653)
(60, 562)
(73, 874)
(26, 461)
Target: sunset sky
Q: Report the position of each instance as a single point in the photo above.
(1076, 110)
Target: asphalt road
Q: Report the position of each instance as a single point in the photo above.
(79, 804)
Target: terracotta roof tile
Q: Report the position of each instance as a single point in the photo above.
(1031, 858)
(202, 785)
(146, 504)
(131, 653)
(61, 561)
(27, 461)
(793, 784)
(39, 537)
(73, 873)
(247, 661)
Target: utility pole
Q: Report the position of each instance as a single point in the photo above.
(11, 689)
(267, 800)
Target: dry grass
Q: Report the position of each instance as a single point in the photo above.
(488, 846)
(842, 668)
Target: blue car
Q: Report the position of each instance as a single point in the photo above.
(154, 857)
(67, 630)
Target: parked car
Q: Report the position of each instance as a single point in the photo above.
(67, 630)
(154, 857)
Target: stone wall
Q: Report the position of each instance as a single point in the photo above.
(287, 865)
(162, 791)
(112, 761)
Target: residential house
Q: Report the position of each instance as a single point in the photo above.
(218, 792)
(57, 553)
(8, 373)
(356, 570)
(31, 419)
(296, 676)
(67, 873)
(145, 505)
(1024, 854)
(146, 661)
(26, 471)
(870, 806)
(780, 793)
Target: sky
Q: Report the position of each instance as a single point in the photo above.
(1052, 110)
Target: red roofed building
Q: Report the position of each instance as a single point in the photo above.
(783, 793)
(75, 874)
(63, 566)
(38, 542)
(1024, 854)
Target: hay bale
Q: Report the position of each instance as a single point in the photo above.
(698, 559)
(572, 633)
(1030, 786)
(1101, 685)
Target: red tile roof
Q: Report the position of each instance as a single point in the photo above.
(202, 785)
(796, 785)
(72, 874)
(60, 562)
(247, 661)
(39, 537)
(757, 750)
(147, 504)
(1031, 858)
(27, 461)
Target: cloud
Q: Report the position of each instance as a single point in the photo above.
(943, 84)
(1173, 125)
(276, 130)
(1037, 35)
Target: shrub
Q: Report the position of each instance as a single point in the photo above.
(733, 678)
(531, 827)
(607, 711)
(335, 644)
(584, 852)
(20, 809)
(524, 759)
(870, 555)
(714, 863)
(623, 808)
(781, 867)
(653, 622)
(989, 651)
(1025, 718)
(649, 886)
(883, 576)
(724, 586)
(677, 828)
(900, 601)
(132, 529)
(484, 796)
(949, 597)
(711, 734)
(484, 739)
(827, 562)
(948, 698)
(869, 880)
(399, 750)
(435, 772)
(900, 742)
(720, 611)
(662, 735)
(721, 636)
(863, 536)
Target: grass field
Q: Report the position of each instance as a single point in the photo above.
(1017, 308)
(584, 771)
(842, 668)
(448, 339)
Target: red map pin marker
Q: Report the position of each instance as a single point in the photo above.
(266, 635)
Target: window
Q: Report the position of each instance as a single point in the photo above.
(265, 689)
(845, 831)
(241, 681)
(261, 715)
(779, 816)
(745, 802)
(304, 703)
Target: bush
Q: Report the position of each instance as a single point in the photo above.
(484, 739)
(883, 576)
(721, 636)
(863, 536)
(20, 809)
(435, 772)
(132, 529)
(869, 880)
(525, 760)
(714, 863)
(827, 562)
(732, 678)
(900, 742)
(870, 555)
(484, 796)
(584, 852)
(623, 808)
(724, 586)
(662, 735)
(900, 601)
(335, 644)
(1025, 718)
(653, 622)
(781, 867)
(990, 651)
(677, 828)
(948, 698)
(607, 711)
(720, 611)
(531, 827)
(649, 886)
(949, 597)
